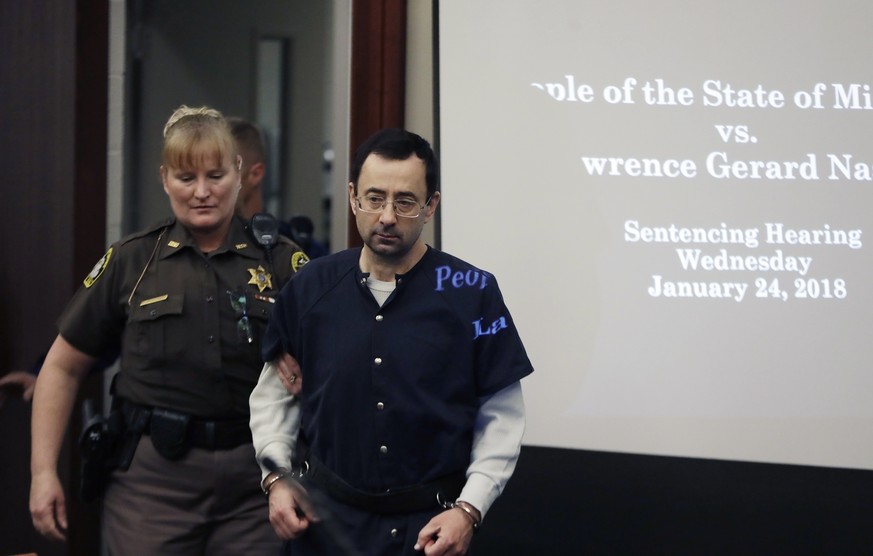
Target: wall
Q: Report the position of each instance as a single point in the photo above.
(338, 118)
(568, 502)
(420, 85)
(203, 52)
(115, 175)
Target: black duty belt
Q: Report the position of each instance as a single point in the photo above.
(401, 500)
(200, 433)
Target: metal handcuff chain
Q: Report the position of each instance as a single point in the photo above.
(282, 474)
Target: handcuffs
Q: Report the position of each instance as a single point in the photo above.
(280, 474)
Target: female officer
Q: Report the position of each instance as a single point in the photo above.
(187, 302)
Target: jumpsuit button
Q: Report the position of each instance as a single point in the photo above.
(210, 339)
(394, 532)
(380, 406)
(377, 361)
(383, 449)
(379, 318)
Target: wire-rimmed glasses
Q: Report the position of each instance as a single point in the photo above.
(404, 206)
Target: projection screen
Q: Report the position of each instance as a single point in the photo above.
(674, 197)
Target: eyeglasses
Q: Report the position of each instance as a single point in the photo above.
(243, 326)
(407, 208)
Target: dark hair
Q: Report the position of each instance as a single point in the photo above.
(250, 140)
(397, 144)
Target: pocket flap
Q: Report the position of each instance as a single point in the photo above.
(157, 307)
(260, 308)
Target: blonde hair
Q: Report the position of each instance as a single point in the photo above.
(194, 136)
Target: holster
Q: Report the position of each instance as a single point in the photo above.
(99, 443)
(135, 420)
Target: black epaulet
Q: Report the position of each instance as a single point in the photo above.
(154, 229)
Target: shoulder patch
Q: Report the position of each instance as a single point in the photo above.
(98, 269)
(298, 260)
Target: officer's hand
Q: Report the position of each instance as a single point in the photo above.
(47, 506)
(291, 511)
(289, 374)
(448, 533)
(14, 382)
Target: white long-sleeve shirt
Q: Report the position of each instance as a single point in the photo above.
(499, 427)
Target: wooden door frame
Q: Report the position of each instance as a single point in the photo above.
(378, 75)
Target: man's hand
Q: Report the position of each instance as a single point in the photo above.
(291, 511)
(289, 374)
(14, 381)
(448, 533)
(47, 507)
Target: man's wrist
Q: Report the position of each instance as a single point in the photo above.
(272, 479)
(471, 512)
(292, 474)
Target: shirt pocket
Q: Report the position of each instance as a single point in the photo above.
(154, 325)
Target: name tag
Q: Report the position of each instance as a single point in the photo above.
(157, 299)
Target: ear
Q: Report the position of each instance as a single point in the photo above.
(431, 207)
(256, 173)
(164, 179)
(352, 202)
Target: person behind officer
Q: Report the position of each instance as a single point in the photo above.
(410, 417)
(250, 142)
(252, 146)
(17, 383)
(187, 301)
(21, 383)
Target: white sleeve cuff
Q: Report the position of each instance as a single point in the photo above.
(275, 420)
(496, 445)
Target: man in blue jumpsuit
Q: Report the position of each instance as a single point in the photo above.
(409, 421)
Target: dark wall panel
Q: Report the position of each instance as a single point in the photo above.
(53, 79)
(37, 94)
(580, 502)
